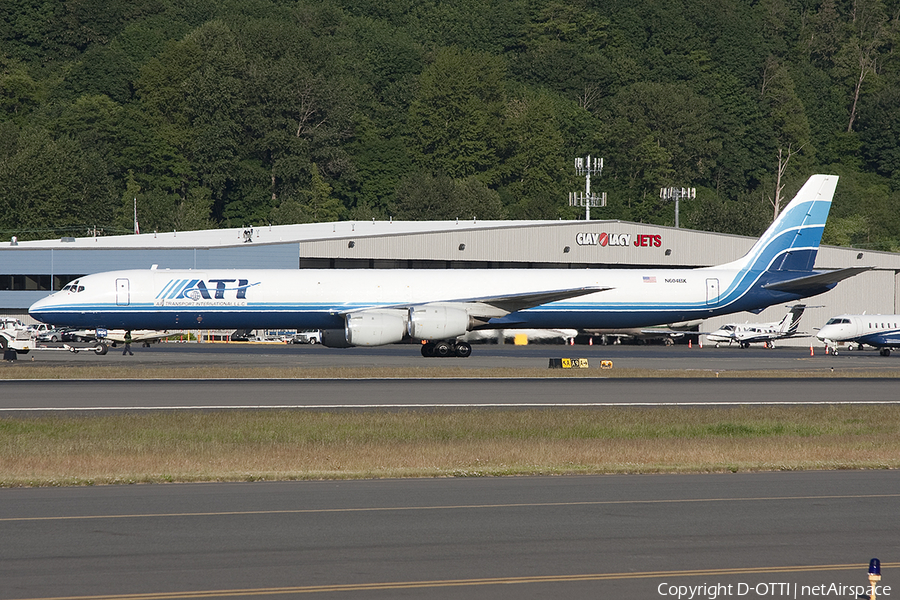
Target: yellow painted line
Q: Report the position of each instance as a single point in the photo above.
(408, 585)
(444, 507)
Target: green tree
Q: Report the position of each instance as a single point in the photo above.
(425, 197)
(534, 168)
(19, 93)
(48, 183)
(313, 205)
(659, 134)
(453, 119)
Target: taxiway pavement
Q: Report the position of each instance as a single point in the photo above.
(519, 538)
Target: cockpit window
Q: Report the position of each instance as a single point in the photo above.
(837, 321)
(73, 287)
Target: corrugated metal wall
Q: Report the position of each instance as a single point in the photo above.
(598, 242)
(77, 261)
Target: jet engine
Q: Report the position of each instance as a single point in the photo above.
(374, 328)
(435, 322)
(334, 338)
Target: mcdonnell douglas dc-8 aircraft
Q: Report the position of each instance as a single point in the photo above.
(376, 307)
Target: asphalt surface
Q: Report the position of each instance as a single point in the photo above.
(377, 392)
(707, 358)
(749, 535)
(521, 538)
(23, 397)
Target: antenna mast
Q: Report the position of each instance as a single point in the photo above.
(587, 166)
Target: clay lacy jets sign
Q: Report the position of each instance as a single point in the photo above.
(618, 239)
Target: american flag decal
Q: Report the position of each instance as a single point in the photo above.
(649, 279)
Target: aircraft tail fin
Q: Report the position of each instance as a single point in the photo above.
(791, 242)
(792, 320)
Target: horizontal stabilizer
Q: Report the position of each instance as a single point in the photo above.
(817, 281)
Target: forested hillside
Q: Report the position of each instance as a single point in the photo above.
(245, 112)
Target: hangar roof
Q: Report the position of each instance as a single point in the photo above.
(273, 234)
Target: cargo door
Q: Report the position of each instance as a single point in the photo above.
(712, 292)
(123, 293)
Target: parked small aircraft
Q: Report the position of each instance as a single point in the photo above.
(879, 331)
(748, 333)
(142, 336)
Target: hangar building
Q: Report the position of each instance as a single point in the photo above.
(30, 270)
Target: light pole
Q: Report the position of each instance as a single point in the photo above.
(587, 166)
(676, 194)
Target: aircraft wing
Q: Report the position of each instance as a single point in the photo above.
(499, 306)
(513, 302)
(818, 280)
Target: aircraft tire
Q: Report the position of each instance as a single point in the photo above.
(885, 351)
(463, 349)
(428, 350)
(443, 349)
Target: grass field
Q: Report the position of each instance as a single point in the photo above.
(269, 445)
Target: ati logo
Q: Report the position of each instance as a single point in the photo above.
(212, 289)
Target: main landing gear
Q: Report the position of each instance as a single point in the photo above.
(446, 349)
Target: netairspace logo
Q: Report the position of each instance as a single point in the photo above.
(770, 590)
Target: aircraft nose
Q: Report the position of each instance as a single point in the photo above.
(36, 309)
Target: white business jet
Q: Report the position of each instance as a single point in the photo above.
(879, 331)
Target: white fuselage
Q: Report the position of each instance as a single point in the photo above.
(164, 299)
(874, 330)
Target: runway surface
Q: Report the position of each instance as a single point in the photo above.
(25, 397)
(522, 538)
(374, 392)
